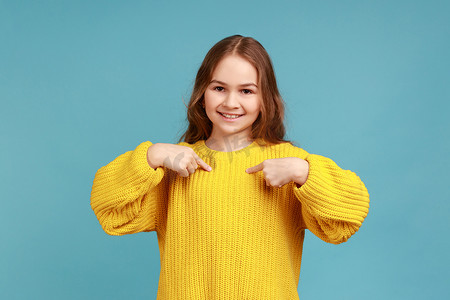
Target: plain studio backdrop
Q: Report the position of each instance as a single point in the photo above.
(366, 83)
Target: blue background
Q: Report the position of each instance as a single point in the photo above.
(366, 83)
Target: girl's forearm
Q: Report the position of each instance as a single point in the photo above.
(300, 172)
(153, 156)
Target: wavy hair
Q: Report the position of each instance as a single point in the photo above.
(269, 124)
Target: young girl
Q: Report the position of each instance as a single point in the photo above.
(231, 201)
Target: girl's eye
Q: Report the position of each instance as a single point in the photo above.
(245, 91)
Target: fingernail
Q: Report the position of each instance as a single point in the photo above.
(209, 168)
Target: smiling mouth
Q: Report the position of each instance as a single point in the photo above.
(230, 116)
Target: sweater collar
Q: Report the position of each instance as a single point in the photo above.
(201, 147)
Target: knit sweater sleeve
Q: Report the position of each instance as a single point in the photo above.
(127, 192)
(334, 201)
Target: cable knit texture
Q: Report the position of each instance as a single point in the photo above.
(224, 234)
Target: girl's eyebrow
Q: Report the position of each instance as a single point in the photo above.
(223, 83)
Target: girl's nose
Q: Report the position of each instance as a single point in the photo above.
(231, 101)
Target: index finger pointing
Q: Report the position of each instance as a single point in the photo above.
(202, 163)
(254, 169)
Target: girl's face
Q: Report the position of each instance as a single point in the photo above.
(233, 90)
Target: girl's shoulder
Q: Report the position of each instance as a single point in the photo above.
(191, 145)
(286, 148)
(195, 145)
(280, 145)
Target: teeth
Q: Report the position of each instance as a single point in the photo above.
(230, 116)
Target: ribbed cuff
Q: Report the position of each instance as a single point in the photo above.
(139, 162)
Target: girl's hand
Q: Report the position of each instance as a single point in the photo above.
(180, 159)
(279, 171)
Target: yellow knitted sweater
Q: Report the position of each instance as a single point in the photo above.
(224, 234)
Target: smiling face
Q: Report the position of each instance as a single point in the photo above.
(232, 99)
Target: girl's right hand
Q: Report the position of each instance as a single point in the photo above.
(180, 159)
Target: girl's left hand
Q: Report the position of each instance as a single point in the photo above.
(279, 171)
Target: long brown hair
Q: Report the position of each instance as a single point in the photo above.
(269, 123)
